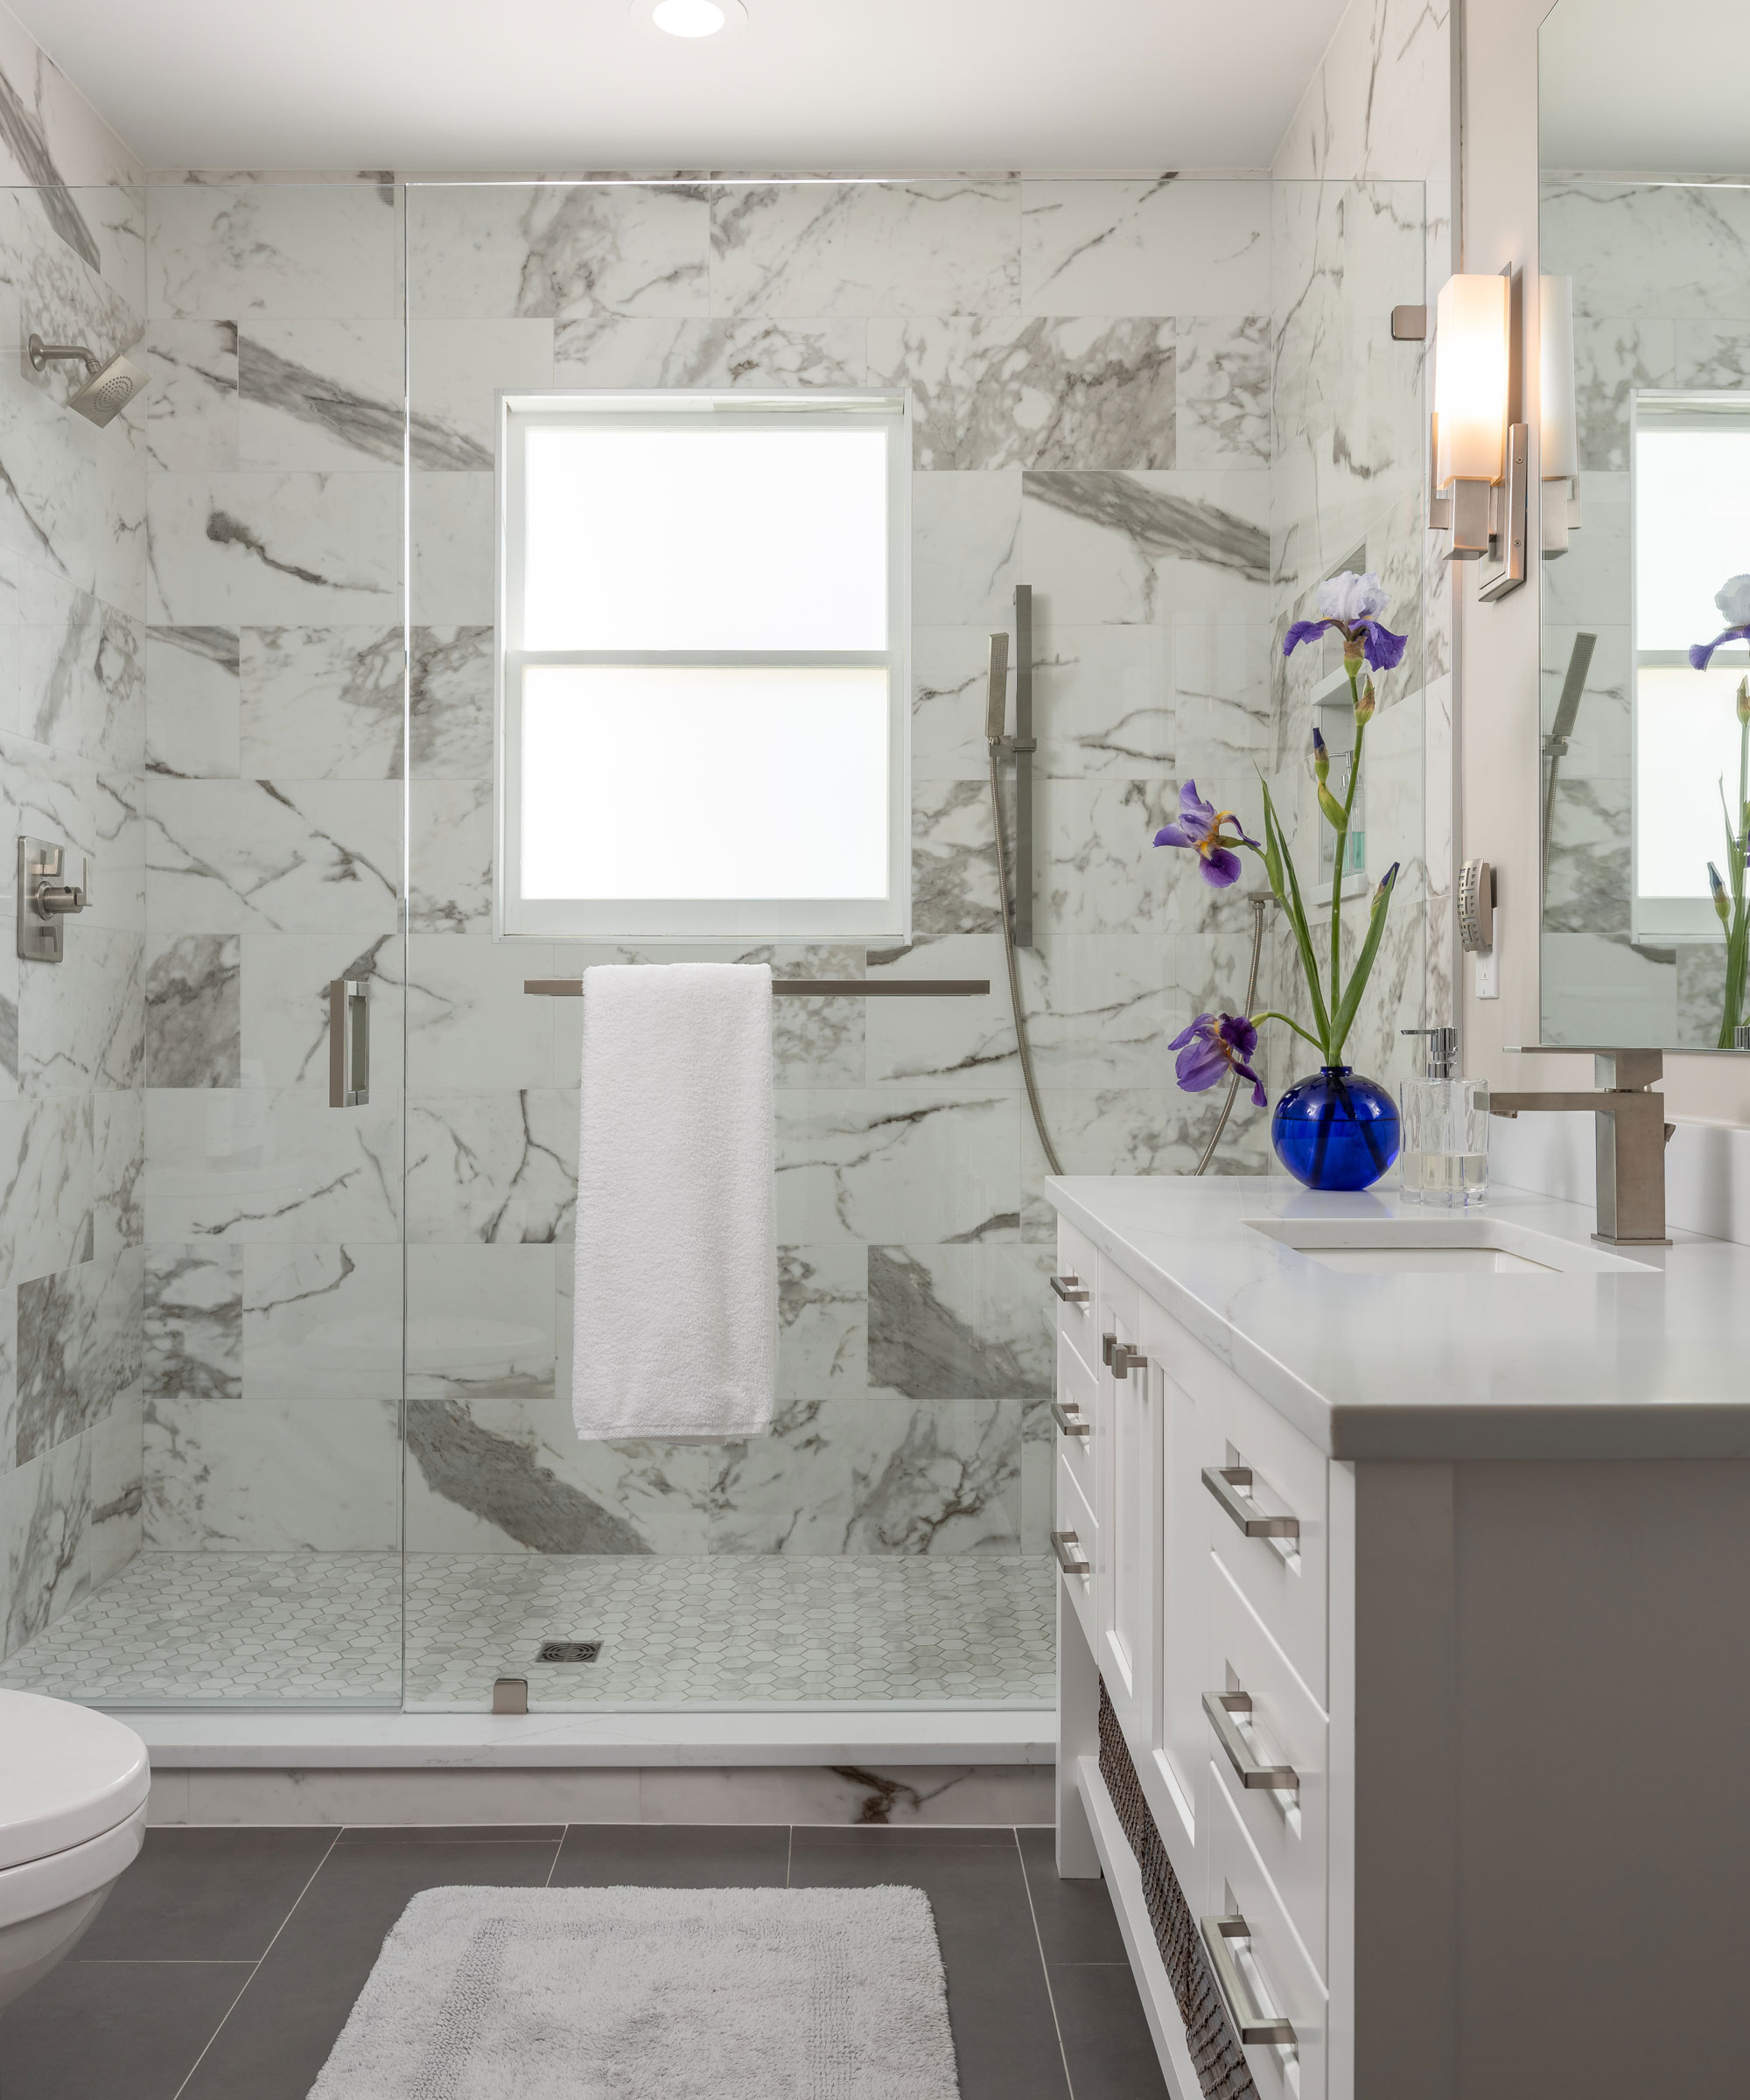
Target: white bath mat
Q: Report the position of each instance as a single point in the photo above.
(652, 1994)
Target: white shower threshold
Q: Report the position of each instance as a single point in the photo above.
(862, 1768)
(191, 1738)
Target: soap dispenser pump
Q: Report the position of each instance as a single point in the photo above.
(1445, 1156)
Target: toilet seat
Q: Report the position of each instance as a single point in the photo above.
(70, 1778)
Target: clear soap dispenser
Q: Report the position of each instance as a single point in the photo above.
(1445, 1155)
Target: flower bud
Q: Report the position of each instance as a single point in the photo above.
(1386, 882)
(1744, 699)
(1722, 904)
(1332, 809)
(1364, 702)
(1321, 758)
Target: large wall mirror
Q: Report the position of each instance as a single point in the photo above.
(1644, 307)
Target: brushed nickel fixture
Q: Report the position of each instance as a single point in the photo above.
(1632, 1135)
(1480, 448)
(349, 1043)
(108, 389)
(811, 988)
(45, 897)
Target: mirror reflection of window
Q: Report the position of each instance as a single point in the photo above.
(1690, 470)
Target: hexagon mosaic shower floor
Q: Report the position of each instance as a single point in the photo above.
(724, 1631)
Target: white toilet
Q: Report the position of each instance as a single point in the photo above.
(72, 1817)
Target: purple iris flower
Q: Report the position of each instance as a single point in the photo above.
(1348, 603)
(1734, 600)
(1211, 1047)
(1199, 827)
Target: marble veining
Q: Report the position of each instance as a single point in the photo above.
(194, 1322)
(194, 1013)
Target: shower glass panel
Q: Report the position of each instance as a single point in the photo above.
(293, 1410)
(1169, 409)
(233, 758)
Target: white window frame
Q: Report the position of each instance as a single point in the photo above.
(881, 921)
(1655, 920)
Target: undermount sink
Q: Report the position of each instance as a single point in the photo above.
(1441, 1247)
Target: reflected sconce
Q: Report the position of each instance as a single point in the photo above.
(1558, 426)
(1480, 448)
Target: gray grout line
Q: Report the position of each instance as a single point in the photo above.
(1044, 1966)
(265, 1952)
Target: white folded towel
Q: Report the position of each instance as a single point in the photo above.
(676, 1315)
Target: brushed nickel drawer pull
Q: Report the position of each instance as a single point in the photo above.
(1126, 1360)
(1224, 1482)
(1070, 1419)
(1251, 2022)
(1222, 1708)
(1070, 1289)
(1070, 1557)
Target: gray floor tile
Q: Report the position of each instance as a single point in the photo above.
(605, 1855)
(113, 2030)
(205, 1895)
(1075, 1919)
(1106, 2037)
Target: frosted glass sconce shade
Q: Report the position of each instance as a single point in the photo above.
(1558, 423)
(1471, 377)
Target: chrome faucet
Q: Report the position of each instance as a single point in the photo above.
(1632, 1136)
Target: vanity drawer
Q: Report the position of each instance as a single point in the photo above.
(1071, 1514)
(1078, 1267)
(1284, 1578)
(1275, 1974)
(1284, 1727)
(1073, 1418)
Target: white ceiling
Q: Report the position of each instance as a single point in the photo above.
(852, 86)
(1645, 86)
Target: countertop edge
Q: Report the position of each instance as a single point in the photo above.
(1479, 1431)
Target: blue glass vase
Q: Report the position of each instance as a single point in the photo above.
(1335, 1131)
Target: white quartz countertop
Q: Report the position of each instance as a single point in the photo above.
(1649, 1363)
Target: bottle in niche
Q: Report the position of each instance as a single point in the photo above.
(1445, 1156)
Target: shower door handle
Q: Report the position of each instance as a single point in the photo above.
(349, 1043)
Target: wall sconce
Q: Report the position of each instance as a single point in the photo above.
(1558, 430)
(1480, 448)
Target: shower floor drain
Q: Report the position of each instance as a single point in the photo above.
(569, 1651)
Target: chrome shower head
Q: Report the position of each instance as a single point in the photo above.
(106, 392)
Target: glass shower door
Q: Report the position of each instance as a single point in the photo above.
(256, 852)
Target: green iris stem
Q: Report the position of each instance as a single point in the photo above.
(1303, 1035)
(1342, 853)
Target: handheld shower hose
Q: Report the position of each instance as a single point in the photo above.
(996, 704)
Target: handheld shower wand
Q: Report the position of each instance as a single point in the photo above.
(996, 709)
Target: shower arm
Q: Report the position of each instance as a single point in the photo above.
(42, 352)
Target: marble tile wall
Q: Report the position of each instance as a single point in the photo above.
(72, 725)
(1090, 367)
(273, 662)
(1660, 300)
(1092, 364)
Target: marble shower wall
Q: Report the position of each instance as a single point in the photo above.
(1661, 276)
(274, 845)
(72, 726)
(1090, 367)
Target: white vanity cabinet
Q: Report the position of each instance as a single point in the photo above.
(1410, 1728)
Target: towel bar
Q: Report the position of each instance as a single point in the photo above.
(813, 988)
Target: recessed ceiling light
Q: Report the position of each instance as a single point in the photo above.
(692, 21)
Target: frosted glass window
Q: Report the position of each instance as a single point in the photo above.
(716, 538)
(666, 782)
(704, 721)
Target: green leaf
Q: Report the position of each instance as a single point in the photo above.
(1358, 977)
(1289, 896)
